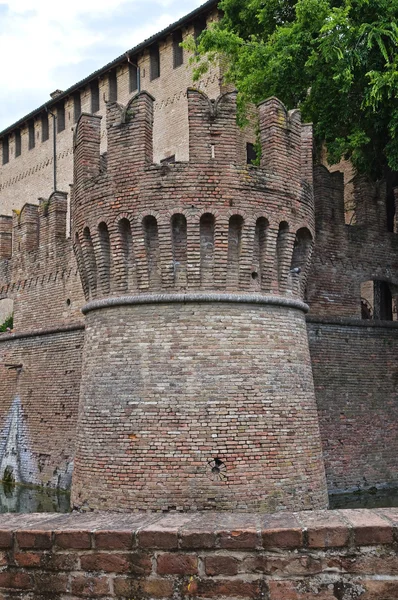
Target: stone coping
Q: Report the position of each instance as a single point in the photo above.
(351, 322)
(5, 337)
(206, 530)
(195, 298)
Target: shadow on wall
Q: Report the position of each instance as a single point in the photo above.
(17, 463)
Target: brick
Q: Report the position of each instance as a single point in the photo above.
(6, 539)
(239, 539)
(369, 528)
(56, 583)
(221, 565)
(111, 563)
(15, 580)
(78, 540)
(228, 588)
(379, 590)
(113, 540)
(39, 540)
(197, 540)
(90, 587)
(165, 540)
(158, 588)
(325, 529)
(177, 564)
(28, 559)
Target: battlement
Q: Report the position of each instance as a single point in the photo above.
(213, 223)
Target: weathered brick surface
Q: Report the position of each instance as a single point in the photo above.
(187, 385)
(359, 569)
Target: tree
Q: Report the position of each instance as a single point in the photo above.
(337, 60)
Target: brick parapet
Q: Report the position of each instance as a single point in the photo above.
(141, 227)
(326, 555)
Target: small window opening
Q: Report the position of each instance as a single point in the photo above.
(77, 106)
(95, 96)
(377, 301)
(154, 55)
(199, 26)
(178, 51)
(31, 130)
(61, 117)
(168, 160)
(251, 154)
(18, 144)
(112, 82)
(44, 128)
(133, 77)
(6, 150)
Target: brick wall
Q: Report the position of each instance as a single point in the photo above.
(336, 555)
(355, 366)
(39, 404)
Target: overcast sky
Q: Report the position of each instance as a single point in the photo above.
(51, 45)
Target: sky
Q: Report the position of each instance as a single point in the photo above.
(52, 45)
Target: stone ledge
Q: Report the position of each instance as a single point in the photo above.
(207, 530)
(319, 555)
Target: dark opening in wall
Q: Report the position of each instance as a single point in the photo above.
(207, 226)
(18, 144)
(151, 236)
(45, 134)
(178, 52)
(89, 261)
(133, 76)
(104, 262)
(282, 254)
(31, 131)
(179, 239)
(154, 55)
(60, 117)
(6, 149)
(199, 25)
(126, 246)
(234, 248)
(95, 96)
(260, 253)
(77, 106)
(251, 154)
(112, 83)
(377, 301)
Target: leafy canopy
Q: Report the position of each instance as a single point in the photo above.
(335, 59)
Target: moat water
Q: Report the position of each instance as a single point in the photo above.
(18, 498)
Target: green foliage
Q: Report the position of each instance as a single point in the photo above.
(8, 324)
(335, 59)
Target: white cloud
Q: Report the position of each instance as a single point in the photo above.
(47, 41)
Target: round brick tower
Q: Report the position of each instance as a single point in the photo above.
(197, 388)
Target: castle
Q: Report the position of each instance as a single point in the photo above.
(197, 378)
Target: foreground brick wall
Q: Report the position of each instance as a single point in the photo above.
(336, 555)
(41, 402)
(355, 366)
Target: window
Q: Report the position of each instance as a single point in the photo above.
(77, 106)
(178, 52)
(199, 26)
(376, 301)
(31, 132)
(18, 143)
(60, 117)
(95, 97)
(251, 153)
(155, 61)
(44, 127)
(112, 82)
(6, 150)
(133, 78)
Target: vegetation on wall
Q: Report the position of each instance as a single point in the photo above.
(8, 324)
(335, 59)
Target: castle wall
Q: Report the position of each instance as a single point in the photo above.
(30, 176)
(169, 389)
(355, 366)
(39, 391)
